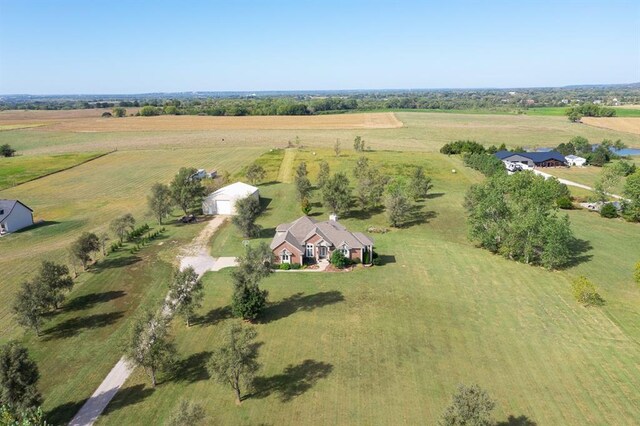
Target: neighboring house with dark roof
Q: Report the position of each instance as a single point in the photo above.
(308, 240)
(14, 216)
(533, 159)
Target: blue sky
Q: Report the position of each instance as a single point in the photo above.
(64, 46)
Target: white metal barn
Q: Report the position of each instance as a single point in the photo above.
(223, 201)
(14, 216)
(574, 160)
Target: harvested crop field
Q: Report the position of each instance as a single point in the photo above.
(95, 123)
(620, 124)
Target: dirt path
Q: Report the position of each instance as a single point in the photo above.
(195, 254)
(285, 173)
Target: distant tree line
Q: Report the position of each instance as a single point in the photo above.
(305, 104)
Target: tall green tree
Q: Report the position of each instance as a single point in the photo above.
(82, 248)
(248, 299)
(370, 184)
(581, 145)
(336, 148)
(235, 361)
(30, 305)
(358, 144)
(303, 187)
(56, 280)
(301, 170)
(605, 183)
(255, 173)
(19, 377)
(186, 190)
(323, 174)
(122, 225)
(147, 345)
(398, 207)
(119, 112)
(420, 184)
(247, 211)
(160, 201)
(470, 406)
(336, 193)
(186, 293)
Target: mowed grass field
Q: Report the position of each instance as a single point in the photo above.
(379, 346)
(389, 344)
(17, 170)
(425, 132)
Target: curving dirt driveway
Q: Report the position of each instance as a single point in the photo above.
(196, 254)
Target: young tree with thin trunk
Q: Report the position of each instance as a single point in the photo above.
(159, 201)
(336, 193)
(84, 247)
(186, 293)
(122, 225)
(234, 362)
(323, 174)
(148, 345)
(420, 184)
(303, 187)
(30, 305)
(398, 207)
(247, 211)
(255, 173)
(301, 170)
(336, 148)
(19, 377)
(186, 190)
(56, 280)
(248, 299)
(104, 238)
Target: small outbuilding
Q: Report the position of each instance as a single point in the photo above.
(574, 160)
(223, 201)
(14, 216)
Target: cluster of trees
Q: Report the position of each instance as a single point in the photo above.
(42, 294)
(184, 191)
(463, 147)
(631, 190)
(597, 155)
(516, 217)
(486, 164)
(576, 112)
(6, 150)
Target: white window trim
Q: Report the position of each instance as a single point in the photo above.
(309, 249)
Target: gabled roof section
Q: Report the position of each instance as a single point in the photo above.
(7, 206)
(332, 232)
(236, 190)
(536, 157)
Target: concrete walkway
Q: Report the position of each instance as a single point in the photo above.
(196, 254)
(572, 183)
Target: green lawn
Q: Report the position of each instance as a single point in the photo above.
(389, 344)
(386, 344)
(17, 170)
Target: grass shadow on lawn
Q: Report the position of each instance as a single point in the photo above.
(193, 368)
(299, 302)
(73, 326)
(579, 249)
(293, 381)
(129, 396)
(116, 262)
(63, 412)
(521, 420)
(214, 316)
(90, 300)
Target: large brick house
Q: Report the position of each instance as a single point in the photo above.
(310, 241)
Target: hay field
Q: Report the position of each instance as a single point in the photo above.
(75, 121)
(618, 124)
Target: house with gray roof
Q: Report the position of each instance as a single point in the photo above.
(311, 241)
(14, 216)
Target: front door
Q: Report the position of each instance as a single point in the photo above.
(322, 252)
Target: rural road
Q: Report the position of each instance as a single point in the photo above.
(572, 183)
(196, 254)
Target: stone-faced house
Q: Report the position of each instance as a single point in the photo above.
(307, 240)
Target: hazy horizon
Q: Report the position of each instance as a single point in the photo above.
(74, 47)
